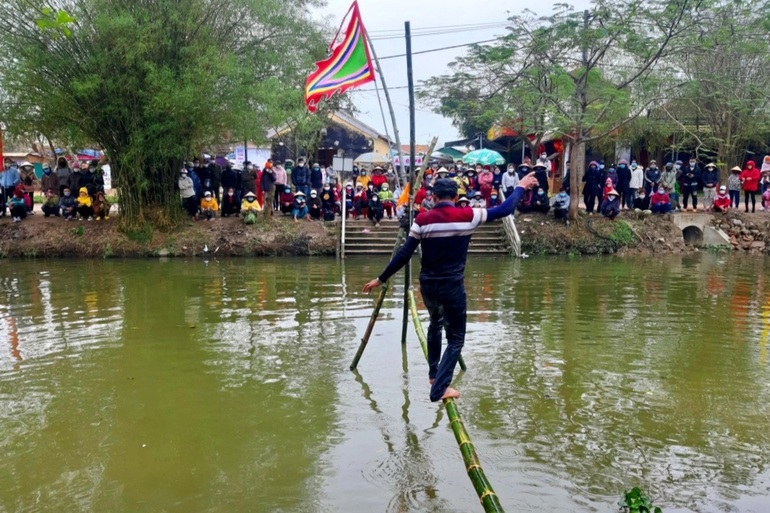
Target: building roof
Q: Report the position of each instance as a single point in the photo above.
(418, 148)
(343, 116)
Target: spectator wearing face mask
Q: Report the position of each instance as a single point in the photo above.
(187, 191)
(375, 209)
(721, 200)
(651, 177)
(560, 205)
(69, 207)
(637, 181)
(642, 201)
(231, 206)
(610, 207)
(750, 180)
(660, 202)
(592, 189)
(710, 179)
(624, 184)
(300, 177)
(509, 181)
(286, 200)
(691, 178)
(540, 202)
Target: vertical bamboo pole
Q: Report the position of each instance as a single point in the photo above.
(481, 484)
(377, 306)
(412, 158)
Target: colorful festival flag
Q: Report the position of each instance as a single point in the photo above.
(349, 65)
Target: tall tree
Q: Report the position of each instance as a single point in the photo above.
(724, 102)
(584, 74)
(149, 80)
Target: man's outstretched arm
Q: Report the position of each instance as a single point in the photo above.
(402, 256)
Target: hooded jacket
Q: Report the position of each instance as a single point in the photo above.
(84, 200)
(593, 179)
(750, 177)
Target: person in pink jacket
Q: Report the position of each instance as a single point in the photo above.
(485, 183)
(281, 179)
(750, 180)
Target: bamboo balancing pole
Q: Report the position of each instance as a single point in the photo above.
(421, 336)
(377, 306)
(487, 496)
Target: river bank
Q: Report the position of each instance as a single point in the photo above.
(630, 234)
(37, 236)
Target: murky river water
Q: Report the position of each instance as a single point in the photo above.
(181, 386)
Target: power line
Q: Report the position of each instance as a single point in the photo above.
(439, 49)
(440, 32)
(400, 31)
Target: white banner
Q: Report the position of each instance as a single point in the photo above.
(407, 160)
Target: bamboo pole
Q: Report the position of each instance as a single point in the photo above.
(421, 331)
(489, 500)
(377, 306)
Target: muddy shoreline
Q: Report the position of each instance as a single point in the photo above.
(631, 234)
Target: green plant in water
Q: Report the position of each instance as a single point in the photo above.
(636, 501)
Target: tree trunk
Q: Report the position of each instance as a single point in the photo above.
(577, 170)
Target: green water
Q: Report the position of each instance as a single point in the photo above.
(186, 386)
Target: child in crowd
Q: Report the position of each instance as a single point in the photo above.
(766, 199)
(386, 197)
(101, 206)
(348, 200)
(641, 202)
(478, 200)
(18, 206)
(428, 203)
(68, 205)
(286, 200)
(85, 205)
(250, 208)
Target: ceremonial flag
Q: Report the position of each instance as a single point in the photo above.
(404, 199)
(349, 65)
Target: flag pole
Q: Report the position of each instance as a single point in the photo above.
(412, 160)
(401, 176)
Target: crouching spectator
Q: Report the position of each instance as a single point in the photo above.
(766, 200)
(561, 205)
(610, 207)
(314, 206)
(286, 200)
(722, 200)
(51, 204)
(376, 210)
(250, 208)
(101, 206)
(230, 204)
(18, 206)
(299, 208)
(85, 205)
(540, 202)
(68, 205)
(386, 198)
(641, 202)
(209, 206)
(660, 202)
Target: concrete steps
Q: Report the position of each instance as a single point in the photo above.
(362, 238)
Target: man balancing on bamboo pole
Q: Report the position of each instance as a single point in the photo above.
(445, 233)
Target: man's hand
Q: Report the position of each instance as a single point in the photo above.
(528, 181)
(372, 285)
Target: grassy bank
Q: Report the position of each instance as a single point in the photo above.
(37, 236)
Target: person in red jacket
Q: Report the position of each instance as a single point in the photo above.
(378, 178)
(722, 200)
(750, 180)
(608, 187)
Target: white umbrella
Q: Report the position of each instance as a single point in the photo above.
(371, 158)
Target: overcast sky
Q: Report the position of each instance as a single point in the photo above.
(380, 16)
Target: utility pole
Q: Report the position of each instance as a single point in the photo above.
(412, 160)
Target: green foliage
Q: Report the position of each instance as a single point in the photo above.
(152, 82)
(622, 235)
(636, 501)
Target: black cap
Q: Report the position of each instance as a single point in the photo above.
(445, 188)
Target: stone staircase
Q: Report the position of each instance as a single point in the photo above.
(362, 238)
